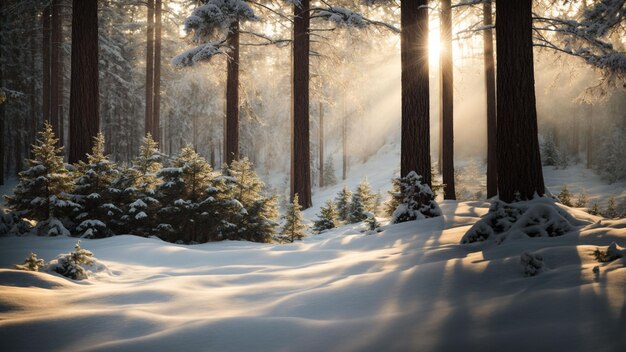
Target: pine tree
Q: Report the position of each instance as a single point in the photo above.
(343, 203)
(184, 186)
(565, 197)
(372, 223)
(136, 190)
(42, 193)
(582, 199)
(293, 227)
(330, 179)
(357, 209)
(595, 209)
(251, 215)
(327, 219)
(32, 263)
(367, 197)
(71, 265)
(611, 209)
(412, 199)
(92, 192)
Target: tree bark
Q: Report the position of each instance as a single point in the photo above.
(446, 106)
(157, 73)
(344, 136)
(576, 136)
(149, 68)
(56, 73)
(490, 90)
(321, 142)
(590, 137)
(231, 138)
(300, 156)
(45, 56)
(84, 114)
(2, 113)
(415, 144)
(519, 163)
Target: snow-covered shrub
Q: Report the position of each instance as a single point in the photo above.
(294, 228)
(31, 263)
(612, 253)
(532, 264)
(414, 199)
(565, 196)
(539, 217)
(372, 223)
(71, 265)
(595, 209)
(52, 227)
(327, 219)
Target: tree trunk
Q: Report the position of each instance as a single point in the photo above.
(30, 129)
(84, 114)
(231, 138)
(2, 112)
(415, 144)
(519, 163)
(149, 128)
(590, 137)
(300, 156)
(446, 106)
(344, 136)
(45, 56)
(321, 144)
(56, 96)
(490, 90)
(576, 136)
(157, 73)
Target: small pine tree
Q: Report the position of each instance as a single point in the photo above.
(71, 265)
(372, 223)
(250, 214)
(184, 186)
(414, 199)
(43, 191)
(565, 197)
(367, 196)
(330, 179)
(582, 199)
(343, 204)
(31, 263)
(92, 192)
(293, 227)
(358, 212)
(327, 219)
(595, 209)
(136, 188)
(611, 209)
(550, 155)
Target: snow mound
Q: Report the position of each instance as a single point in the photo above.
(540, 217)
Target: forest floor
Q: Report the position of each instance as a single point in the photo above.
(411, 287)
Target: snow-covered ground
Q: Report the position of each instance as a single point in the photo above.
(411, 287)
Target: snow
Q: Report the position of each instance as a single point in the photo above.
(410, 287)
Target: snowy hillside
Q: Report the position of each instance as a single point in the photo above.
(411, 287)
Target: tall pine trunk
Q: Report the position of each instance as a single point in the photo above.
(84, 115)
(321, 142)
(300, 156)
(231, 130)
(2, 111)
(157, 73)
(415, 144)
(519, 163)
(149, 68)
(45, 65)
(56, 96)
(590, 137)
(490, 90)
(446, 106)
